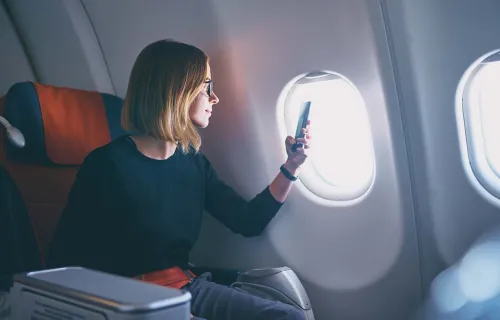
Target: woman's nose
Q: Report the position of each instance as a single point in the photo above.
(214, 99)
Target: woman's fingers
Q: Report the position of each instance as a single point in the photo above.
(305, 142)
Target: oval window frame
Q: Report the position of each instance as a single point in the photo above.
(310, 180)
(471, 140)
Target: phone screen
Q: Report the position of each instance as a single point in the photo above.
(302, 122)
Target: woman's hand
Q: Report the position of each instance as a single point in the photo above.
(297, 158)
(280, 186)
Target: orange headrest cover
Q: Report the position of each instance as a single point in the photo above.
(60, 125)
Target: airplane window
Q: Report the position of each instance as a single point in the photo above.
(481, 112)
(341, 163)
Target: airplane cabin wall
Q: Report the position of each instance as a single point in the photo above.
(434, 43)
(361, 254)
(14, 64)
(61, 44)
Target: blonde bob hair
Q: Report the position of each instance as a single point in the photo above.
(165, 79)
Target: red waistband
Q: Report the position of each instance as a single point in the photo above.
(173, 277)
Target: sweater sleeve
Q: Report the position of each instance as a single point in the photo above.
(248, 218)
(81, 227)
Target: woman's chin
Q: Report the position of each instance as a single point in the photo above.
(201, 124)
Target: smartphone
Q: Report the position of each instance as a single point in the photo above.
(302, 123)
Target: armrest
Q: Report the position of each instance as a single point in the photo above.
(82, 293)
(281, 284)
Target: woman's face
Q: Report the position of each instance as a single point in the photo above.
(201, 108)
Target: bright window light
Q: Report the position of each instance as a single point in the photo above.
(487, 91)
(341, 162)
(481, 117)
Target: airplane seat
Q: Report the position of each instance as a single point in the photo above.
(60, 127)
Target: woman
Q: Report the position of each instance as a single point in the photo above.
(136, 206)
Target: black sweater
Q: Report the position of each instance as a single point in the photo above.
(128, 214)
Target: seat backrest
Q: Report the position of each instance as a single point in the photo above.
(61, 126)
